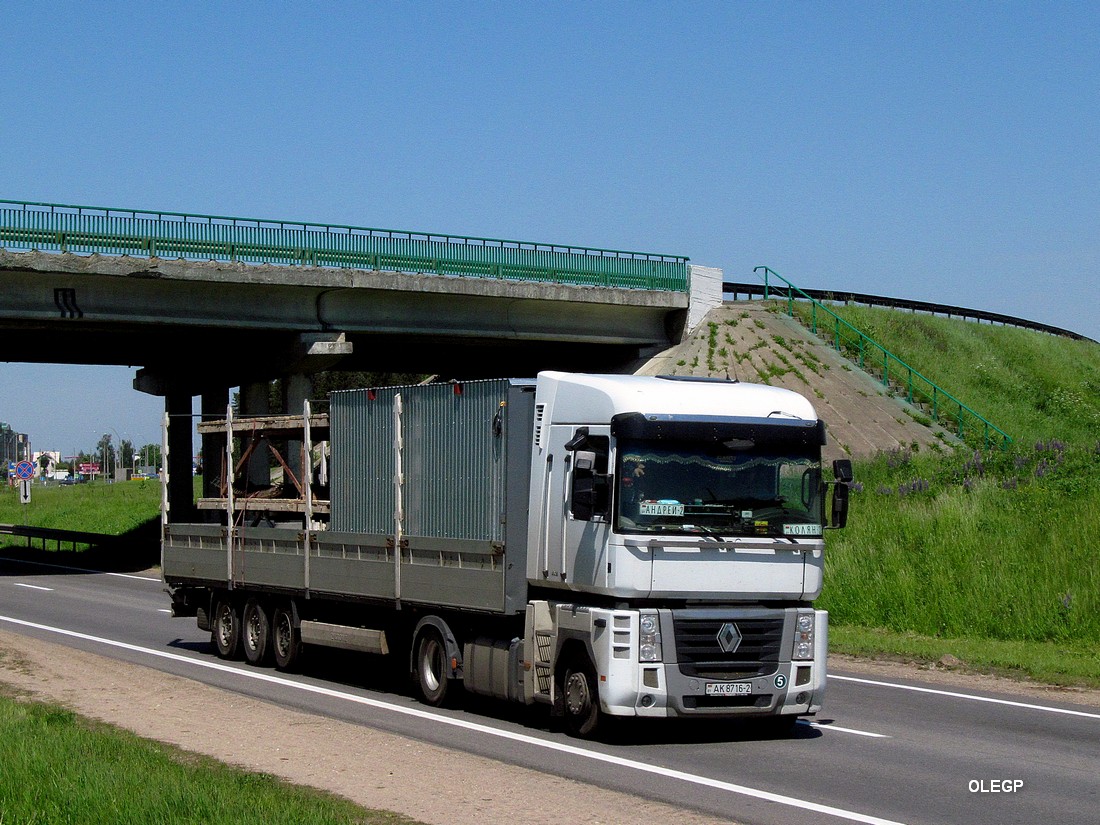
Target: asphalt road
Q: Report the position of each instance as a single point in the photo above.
(883, 751)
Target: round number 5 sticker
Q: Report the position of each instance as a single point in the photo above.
(780, 681)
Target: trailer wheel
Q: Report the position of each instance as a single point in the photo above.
(286, 641)
(580, 697)
(432, 678)
(256, 632)
(226, 629)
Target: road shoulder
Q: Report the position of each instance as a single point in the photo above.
(370, 767)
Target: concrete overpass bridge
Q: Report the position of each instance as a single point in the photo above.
(200, 304)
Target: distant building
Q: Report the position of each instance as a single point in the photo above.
(51, 465)
(14, 446)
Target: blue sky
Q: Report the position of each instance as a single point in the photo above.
(941, 151)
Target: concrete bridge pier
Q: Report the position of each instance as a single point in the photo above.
(181, 498)
(212, 407)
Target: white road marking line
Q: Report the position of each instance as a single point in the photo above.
(33, 587)
(970, 696)
(572, 750)
(85, 570)
(821, 726)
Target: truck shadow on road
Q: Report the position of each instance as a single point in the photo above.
(390, 679)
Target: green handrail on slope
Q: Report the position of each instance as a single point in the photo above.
(93, 229)
(856, 343)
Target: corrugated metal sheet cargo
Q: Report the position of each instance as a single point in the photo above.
(454, 462)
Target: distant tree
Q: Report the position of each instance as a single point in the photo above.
(149, 456)
(127, 450)
(105, 452)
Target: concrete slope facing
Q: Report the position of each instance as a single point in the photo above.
(751, 341)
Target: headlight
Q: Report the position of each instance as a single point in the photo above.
(803, 637)
(649, 638)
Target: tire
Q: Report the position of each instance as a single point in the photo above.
(286, 641)
(580, 698)
(433, 681)
(256, 633)
(225, 632)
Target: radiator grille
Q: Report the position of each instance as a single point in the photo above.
(700, 655)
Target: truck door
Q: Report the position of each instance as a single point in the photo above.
(587, 515)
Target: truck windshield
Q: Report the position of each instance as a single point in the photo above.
(711, 489)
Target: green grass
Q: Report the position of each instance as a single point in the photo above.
(988, 556)
(1032, 385)
(995, 545)
(1047, 663)
(56, 767)
(95, 507)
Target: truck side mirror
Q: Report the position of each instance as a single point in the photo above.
(588, 496)
(842, 469)
(840, 504)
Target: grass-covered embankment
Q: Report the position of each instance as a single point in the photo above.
(989, 556)
(56, 767)
(95, 507)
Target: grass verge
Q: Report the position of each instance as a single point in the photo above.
(96, 507)
(56, 767)
(1050, 663)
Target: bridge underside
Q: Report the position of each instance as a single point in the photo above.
(201, 327)
(190, 326)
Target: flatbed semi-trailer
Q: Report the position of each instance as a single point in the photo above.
(607, 545)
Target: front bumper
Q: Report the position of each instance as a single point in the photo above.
(781, 687)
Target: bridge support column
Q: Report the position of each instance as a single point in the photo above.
(296, 389)
(256, 401)
(213, 406)
(181, 497)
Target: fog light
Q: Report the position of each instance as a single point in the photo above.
(646, 701)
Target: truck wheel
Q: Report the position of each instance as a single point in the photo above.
(255, 632)
(432, 677)
(580, 698)
(286, 641)
(226, 632)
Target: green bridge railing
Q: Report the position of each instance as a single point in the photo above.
(91, 229)
(869, 353)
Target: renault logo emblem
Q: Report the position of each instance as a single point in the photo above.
(729, 638)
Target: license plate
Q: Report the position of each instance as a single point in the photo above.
(729, 689)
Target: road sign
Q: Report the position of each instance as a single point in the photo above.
(24, 470)
(25, 491)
